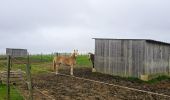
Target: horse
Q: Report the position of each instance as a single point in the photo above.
(69, 61)
(91, 58)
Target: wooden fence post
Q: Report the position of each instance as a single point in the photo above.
(29, 80)
(8, 77)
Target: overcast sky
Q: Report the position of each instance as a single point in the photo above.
(63, 25)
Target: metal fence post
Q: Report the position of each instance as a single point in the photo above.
(8, 76)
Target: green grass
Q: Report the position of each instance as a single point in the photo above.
(152, 81)
(40, 68)
(158, 79)
(13, 94)
(43, 67)
(43, 63)
(83, 61)
(46, 65)
(134, 79)
(41, 58)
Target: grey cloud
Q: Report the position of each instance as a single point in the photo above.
(42, 25)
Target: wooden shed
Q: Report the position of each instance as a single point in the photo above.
(132, 57)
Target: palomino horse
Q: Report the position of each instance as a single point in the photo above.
(91, 58)
(69, 61)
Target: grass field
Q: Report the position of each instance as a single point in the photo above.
(82, 60)
(43, 63)
(46, 64)
(14, 93)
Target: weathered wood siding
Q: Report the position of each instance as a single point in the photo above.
(127, 57)
(157, 58)
(16, 52)
(119, 57)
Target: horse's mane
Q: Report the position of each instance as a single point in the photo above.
(90, 53)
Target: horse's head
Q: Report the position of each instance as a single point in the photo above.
(89, 55)
(75, 53)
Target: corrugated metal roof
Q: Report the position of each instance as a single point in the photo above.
(148, 40)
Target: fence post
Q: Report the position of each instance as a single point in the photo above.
(52, 56)
(8, 77)
(29, 80)
(41, 57)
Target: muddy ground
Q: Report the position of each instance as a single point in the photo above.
(69, 88)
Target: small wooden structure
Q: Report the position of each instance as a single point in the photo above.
(16, 52)
(15, 77)
(132, 57)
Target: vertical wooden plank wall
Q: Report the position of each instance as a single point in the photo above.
(119, 57)
(157, 58)
(131, 57)
(99, 62)
(137, 57)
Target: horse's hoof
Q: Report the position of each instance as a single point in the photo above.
(93, 70)
(71, 74)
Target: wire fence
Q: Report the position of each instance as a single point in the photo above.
(9, 82)
(14, 90)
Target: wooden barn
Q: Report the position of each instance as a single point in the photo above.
(132, 57)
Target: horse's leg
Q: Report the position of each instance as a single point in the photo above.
(54, 65)
(93, 69)
(57, 65)
(71, 70)
(93, 63)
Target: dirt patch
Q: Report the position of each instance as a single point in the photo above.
(161, 87)
(69, 88)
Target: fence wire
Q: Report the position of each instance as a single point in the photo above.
(15, 93)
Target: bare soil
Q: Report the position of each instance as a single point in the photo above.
(69, 88)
